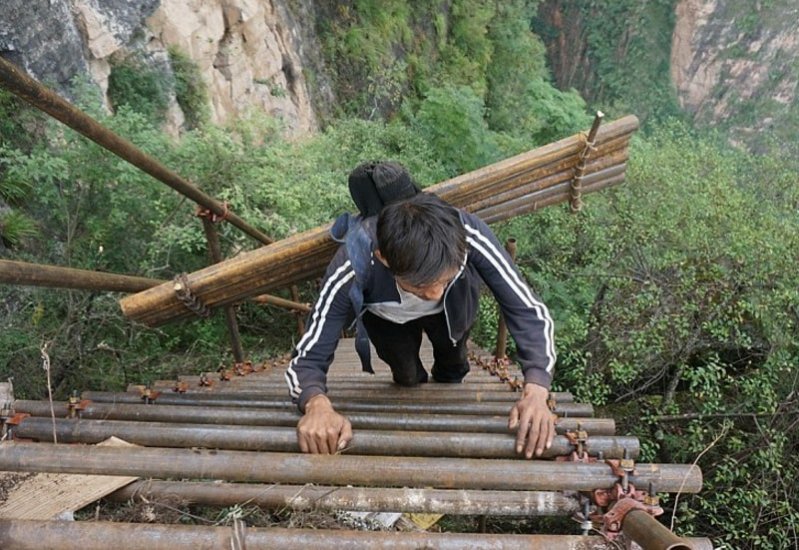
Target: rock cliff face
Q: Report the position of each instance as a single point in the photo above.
(726, 55)
(732, 63)
(251, 53)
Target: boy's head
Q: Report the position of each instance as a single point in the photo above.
(423, 242)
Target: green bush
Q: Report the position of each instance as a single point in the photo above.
(451, 120)
(191, 91)
(676, 293)
(140, 87)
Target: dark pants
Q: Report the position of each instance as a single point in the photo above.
(398, 345)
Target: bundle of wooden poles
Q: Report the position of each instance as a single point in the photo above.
(518, 185)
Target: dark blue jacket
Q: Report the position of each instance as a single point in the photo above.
(527, 317)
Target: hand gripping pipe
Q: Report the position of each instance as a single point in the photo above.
(468, 423)
(284, 439)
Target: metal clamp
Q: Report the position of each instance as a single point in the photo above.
(76, 405)
(148, 395)
(623, 498)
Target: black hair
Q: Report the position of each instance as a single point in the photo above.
(421, 238)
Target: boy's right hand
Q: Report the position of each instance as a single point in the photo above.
(322, 430)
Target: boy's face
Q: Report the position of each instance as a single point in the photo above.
(432, 292)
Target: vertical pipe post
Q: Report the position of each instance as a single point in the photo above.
(215, 253)
(295, 296)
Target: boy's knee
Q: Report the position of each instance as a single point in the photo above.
(451, 374)
(409, 378)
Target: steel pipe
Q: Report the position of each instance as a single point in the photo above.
(52, 276)
(235, 400)
(270, 385)
(650, 534)
(282, 439)
(215, 255)
(272, 417)
(358, 499)
(389, 393)
(79, 535)
(291, 468)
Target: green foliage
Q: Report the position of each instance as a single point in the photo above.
(619, 55)
(140, 87)
(451, 120)
(191, 91)
(676, 293)
(16, 227)
(20, 124)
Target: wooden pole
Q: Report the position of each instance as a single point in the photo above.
(305, 255)
(22, 273)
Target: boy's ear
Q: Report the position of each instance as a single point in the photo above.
(380, 257)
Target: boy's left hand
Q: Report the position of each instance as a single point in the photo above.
(533, 421)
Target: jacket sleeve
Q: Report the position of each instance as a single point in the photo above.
(526, 315)
(306, 374)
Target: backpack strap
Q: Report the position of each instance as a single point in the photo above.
(352, 232)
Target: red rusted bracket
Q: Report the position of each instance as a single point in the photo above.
(243, 369)
(148, 394)
(16, 419)
(225, 374)
(613, 519)
(622, 498)
(75, 406)
(605, 497)
(214, 218)
(580, 454)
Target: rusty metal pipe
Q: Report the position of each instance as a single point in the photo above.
(268, 299)
(215, 255)
(271, 417)
(284, 439)
(80, 535)
(234, 400)
(271, 386)
(292, 468)
(650, 534)
(52, 276)
(388, 393)
(364, 499)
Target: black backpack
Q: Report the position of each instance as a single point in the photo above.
(372, 186)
